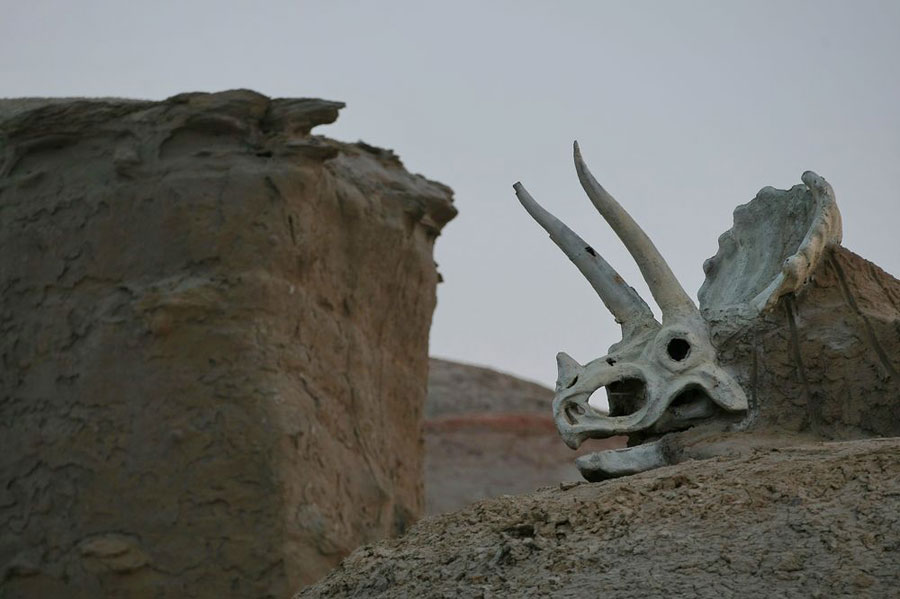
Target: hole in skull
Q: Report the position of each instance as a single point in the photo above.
(626, 396)
(689, 396)
(690, 407)
(691, 403)
(678, 349)
(598, 401)
(573, 411)
(575, 380)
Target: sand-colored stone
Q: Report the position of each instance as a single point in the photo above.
(214, 345)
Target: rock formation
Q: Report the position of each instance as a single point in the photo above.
(819, 520)
(489, 434)
(214, 345)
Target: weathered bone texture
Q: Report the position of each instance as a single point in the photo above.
(214, 345)
(794, 334)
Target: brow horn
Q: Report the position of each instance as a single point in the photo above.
(622, 301)
(667, 291)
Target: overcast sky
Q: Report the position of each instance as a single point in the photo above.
(683, 111)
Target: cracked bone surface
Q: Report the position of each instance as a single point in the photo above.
(794, 334)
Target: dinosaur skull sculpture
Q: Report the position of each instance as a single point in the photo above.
(670, 377)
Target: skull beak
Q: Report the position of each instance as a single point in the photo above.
(634, 396)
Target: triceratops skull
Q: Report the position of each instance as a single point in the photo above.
(661, 377)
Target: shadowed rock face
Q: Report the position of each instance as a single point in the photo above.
(214, 345)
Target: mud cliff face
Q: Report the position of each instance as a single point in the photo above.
(214, 345)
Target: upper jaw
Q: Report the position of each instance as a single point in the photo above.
(646, 409)
(577, 420)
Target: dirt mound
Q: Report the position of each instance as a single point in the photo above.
(817, 520)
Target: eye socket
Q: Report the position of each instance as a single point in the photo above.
(678, 349)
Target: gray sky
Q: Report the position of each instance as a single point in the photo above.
(683, 110)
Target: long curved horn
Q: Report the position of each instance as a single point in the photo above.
(626, 305)
(667, 291)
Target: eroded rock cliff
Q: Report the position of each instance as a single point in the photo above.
(214, 345)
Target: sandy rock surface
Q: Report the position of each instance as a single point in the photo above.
(817, 520)
(214, 345)
(487, 434)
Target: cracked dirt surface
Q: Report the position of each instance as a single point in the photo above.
(815, 520)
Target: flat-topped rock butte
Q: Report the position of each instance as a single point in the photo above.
(212, 383)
